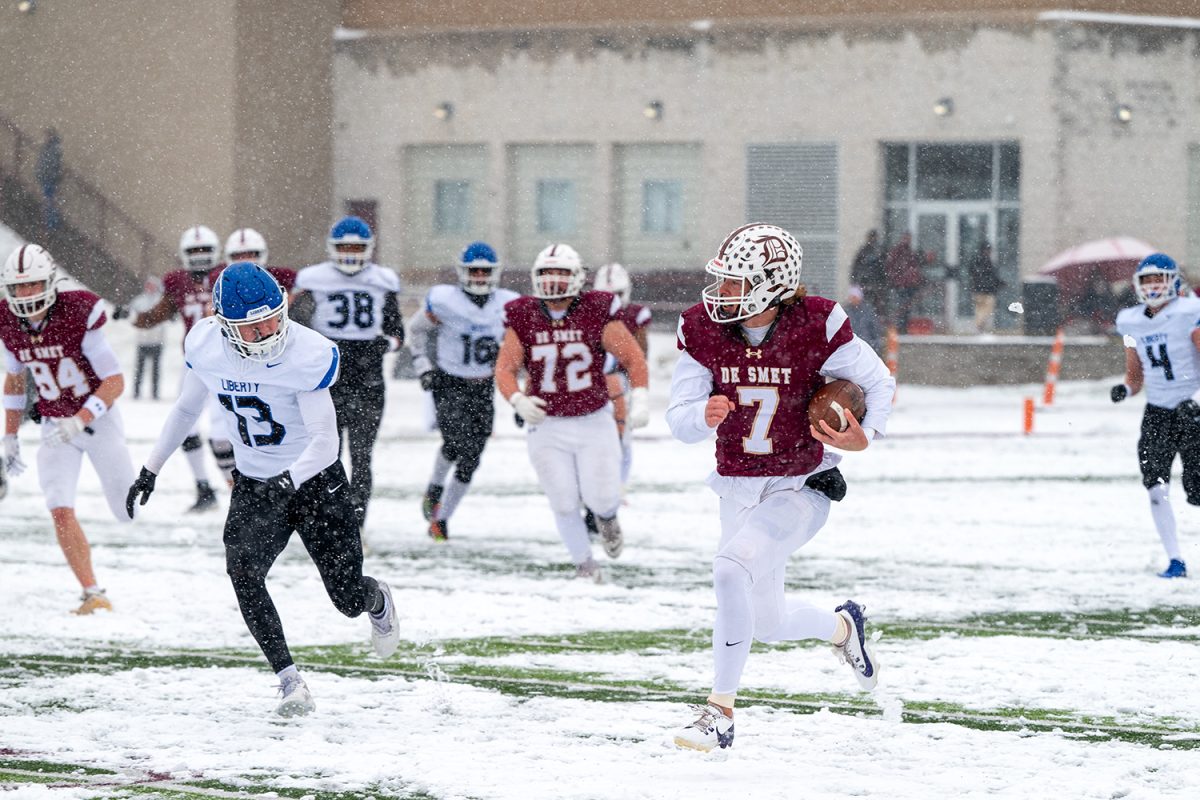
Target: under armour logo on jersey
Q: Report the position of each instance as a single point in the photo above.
(752, 352)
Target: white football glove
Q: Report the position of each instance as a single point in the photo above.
(65, 429)
(639, 408)
(13, 465)
(531, 409)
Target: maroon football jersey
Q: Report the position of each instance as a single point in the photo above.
(54, 354)
(191, 298)
(564, 357)
(771, 384)
(634, 316)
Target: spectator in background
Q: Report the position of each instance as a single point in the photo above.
(1100, 306)
(149, 340)
(904, 278)
(864, 321)
(867, 272)
(985, 282)
(48, 172)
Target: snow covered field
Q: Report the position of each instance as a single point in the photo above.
(1027, 648)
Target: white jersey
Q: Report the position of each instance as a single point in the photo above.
(468, 336)
(347, 306)
(1164, 344)
(262, 415)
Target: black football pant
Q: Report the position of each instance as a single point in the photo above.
(258, 528)
(1166, 432)
(359, 412)
(464, 416)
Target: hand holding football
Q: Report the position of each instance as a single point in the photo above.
(831, 401)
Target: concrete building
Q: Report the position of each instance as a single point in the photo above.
(643, 135)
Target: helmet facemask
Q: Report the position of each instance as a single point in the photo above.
(1163, 286)
(757, 268)
(30, 265)
(251, 344)
(478, 277)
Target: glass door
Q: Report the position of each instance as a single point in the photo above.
(948, 234)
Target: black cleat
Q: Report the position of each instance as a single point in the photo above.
(206, 498)
(439, 531)
(431, 501)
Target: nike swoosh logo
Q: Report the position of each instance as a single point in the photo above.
(334, 489)
(734, 644)
(276, 364)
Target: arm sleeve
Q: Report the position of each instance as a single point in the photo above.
(691, 386)
(393, 323)
(420, 330)
(100, 355)
(856, 362)
(11, 364)
(188, 408)
(320, 420)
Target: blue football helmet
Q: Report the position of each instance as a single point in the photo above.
(351, 231)
(246, 294)
(476, 257)
(1161, 291)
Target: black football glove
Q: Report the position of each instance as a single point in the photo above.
(277, 489)
(144, 485)
(120, 312)
(1119, 392)
(517, 418)
(1189, 411)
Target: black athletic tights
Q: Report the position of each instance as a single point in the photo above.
(258, 528)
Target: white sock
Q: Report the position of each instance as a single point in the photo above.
(451, 496)
(288, 674)
(1164, 519)
(440, 467)
(195, 459)
(733, 630)
(574, 535)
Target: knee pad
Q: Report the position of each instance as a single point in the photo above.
(729, 575)
(222, 450)
(191, 443)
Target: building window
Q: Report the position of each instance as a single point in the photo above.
(662, 206)
(451, 206)
(954, 171)
(555, 206)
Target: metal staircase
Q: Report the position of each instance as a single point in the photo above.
(95, 241)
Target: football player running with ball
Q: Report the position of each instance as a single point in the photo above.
(353, 302)
(754, 352)
(467, 324)
(57, 336)
(1162, 337)
(273, 381)
(559, 337)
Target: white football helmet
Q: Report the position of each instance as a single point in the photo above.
(246, 244)
(765, 259)
(30, 263)
(614, 278)
(199, 249)
(551, 286)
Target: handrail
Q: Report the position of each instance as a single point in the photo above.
(83, 205)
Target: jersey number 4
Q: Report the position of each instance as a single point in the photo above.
(232, 403)
(1163, 360)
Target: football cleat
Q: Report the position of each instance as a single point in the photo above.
(93, 601)
(611, 537)
(439, 530)
(385, 633)
(589, 570)
(1176, 569)
(711, 729)
(296, 701)
(855, 651)
(206, 498)
(431, 501)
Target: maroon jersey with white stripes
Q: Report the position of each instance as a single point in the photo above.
(191, 298)
(771, 384)
(54, 354)
(634, 316)
(564, 357)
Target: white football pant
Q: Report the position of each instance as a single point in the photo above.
(59, 464)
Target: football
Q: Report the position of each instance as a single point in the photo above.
(832, 400)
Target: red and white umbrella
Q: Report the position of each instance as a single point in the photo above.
(1113, 259)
